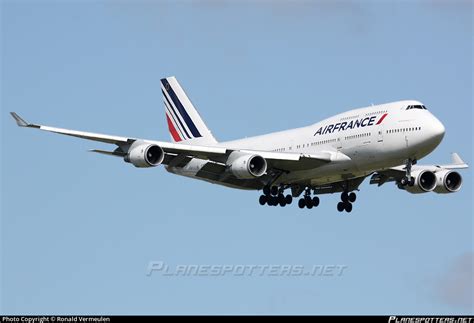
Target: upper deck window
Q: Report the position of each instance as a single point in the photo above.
(421, 107)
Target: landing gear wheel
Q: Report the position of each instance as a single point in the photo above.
(274, 190)
(341, 206)
(288, 199)
(301, 203)
(315, 201)
(411, 182)
(348, 207)
(263, 199)
(404, 181)
(344, 197)
(352, 197)
(275, 201)
(308, 201)
(266, 190)
(269, 201)
(281, 200)
(272, 200)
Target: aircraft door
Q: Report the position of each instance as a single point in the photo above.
(380, 134)
(339, 143)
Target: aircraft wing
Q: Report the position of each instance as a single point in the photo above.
(281, 161)
(396, 173)
(81, 134)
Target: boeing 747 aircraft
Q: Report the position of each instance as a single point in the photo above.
(335, 155)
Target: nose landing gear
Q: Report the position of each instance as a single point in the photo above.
(408, 179)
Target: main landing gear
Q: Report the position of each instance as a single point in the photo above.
(408, 179)
(308, 201)
(346, 201)
(274, 196)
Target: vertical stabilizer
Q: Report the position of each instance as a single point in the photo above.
(184, 122)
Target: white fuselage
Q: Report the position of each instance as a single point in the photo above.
(374, 138)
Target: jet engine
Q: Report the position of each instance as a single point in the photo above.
(145, 155)
(247, 166)
(425, 181)
(448, 181)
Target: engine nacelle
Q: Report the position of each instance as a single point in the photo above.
(143, 154)
(246, 166)
(448, 181)
(425, 181)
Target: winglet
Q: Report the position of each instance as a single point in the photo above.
(455, 159)
(456, 163)
(19, 121)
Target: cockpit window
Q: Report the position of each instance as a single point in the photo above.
(420, 107)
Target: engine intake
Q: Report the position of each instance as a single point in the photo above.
(425, 181)
(247, 166)
(145, 155)
(448, 181)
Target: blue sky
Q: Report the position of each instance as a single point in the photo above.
(78, 230)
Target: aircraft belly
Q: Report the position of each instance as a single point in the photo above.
(215, 174)
(330, 173)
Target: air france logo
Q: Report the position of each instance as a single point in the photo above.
(359, 123)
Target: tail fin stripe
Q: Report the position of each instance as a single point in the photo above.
(172, 129)
(180, 112)
(181, 109)
(170, 107)
(169, 114)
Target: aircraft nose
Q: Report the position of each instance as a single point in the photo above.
(437, 129)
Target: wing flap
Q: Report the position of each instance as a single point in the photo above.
(117, 152)
(212, 171)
